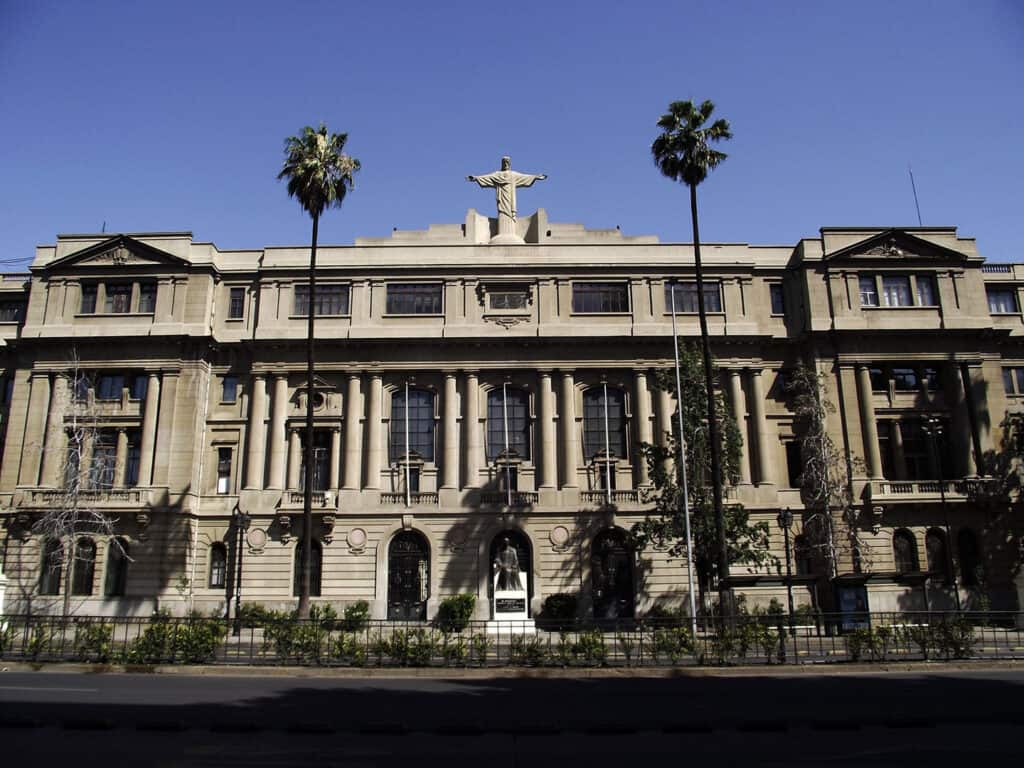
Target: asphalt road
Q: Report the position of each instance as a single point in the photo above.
(886, 719)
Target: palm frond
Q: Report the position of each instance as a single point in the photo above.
(318, 171)
(682, 150)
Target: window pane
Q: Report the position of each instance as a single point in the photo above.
(686, 297)
(88, 298)
(140, 385)
(517, 408)
(1001, 300)
(600, 297)
(236, 304)
(11, 311)
(218, 565)
(507, 299)
(778, 299)
(104, 456)
(868, 291)
(904, 379)
(926, 291)
(84, 567)
(931, 379)
(904, 551)
(879, 381)
(414, 299)
(1008, 381)
(51, 567)
(109, 387)
(131, 466)
(896, 291)
(230, 389)
(301, 300)
(421, 424)
(1019, 374)
(119, 298)
(594, 423)
(117, 568)
(147, 297)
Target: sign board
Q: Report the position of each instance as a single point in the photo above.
(509, 605)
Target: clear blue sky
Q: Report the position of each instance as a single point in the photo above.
(171, 115)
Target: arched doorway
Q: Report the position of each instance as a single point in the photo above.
(611, 575)
(408, 577)
(521, 544)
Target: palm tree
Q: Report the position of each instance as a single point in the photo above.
(319, 174)
(683, 153)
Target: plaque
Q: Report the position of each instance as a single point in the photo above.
(510, 605)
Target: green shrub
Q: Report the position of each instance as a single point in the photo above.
(954, 638)
(526, 651)
(481, 645)
(561, 606)
(193, 640)
(39, 641)
(921, 636)
(356, 616)
(6, 637)
(674, 642)
(411, 648)
(455, 651)
(590, 648)
(255, 615)
(349, 649)
(455, 612)
(857, 642)
(93, 641)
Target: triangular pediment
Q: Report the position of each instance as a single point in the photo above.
(895, 245)
(118, 251)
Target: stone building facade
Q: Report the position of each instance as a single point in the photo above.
(467, 390)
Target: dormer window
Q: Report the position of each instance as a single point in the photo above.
(119, 298)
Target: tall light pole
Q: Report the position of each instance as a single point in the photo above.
(785, 521)
(933, 426)
(242, 525)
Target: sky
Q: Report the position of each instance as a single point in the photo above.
(170, 116)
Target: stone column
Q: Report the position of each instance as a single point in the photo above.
(869, 427)
(121, 457)
(960, 422)
(257, 433)
(353, 458)
(450, 435)
(56, 438)
(981, 421)
(35, 428)
(294, 459)
(335, 458)
(278, 441)
(374, 431)
(472, 430)
(147, 442)
(644, 433)
(899, 457)
(548, 460)
(665, 416)
(567, 413)
(738, 401)
(760, 428)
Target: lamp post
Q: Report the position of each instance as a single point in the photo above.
(933, 427)
(242, 525)
(785, 521)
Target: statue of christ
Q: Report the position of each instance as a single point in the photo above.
(505, 182)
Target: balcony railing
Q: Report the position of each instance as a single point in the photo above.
(422, 499)
(616, 497)
(954, 489)
(92, 496)
(519, 498)
(297, 498)
(996, 268)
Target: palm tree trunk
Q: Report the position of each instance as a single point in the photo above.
(713, 437)
(307, 496)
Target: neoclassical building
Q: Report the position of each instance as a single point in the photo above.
(469, 390)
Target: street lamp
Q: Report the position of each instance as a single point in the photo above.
(242, 521)
(934, 428)
(785, 521)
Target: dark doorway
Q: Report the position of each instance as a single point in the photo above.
(521, 545)
(611, 575)
(408, 577)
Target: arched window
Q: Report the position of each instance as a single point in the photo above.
(51, 569)
(421, 424)
(904, 550)
(596, 418)
(218, 565)
(85, 567)
(802, 555)
(970, 558)
(935, 547)
(514, 404)
(117, 568)
(316, 568)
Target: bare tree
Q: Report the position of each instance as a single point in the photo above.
(831, 520)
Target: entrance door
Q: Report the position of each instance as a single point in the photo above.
(611, 575)
(408, 577)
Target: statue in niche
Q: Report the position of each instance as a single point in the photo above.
(505, 182)
(506, 564)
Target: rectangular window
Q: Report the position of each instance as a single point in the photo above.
(868, 291)
(513, 404)
(104, 458)
(794, 463)
(119, 298)
(778, 298)
(131, 465)
(88, 298)
(331, 300)
(236, 304)
(229, 390)
(508, 478)
(1013, 380)
(414, 479)
(879, 381)
(11, 311)
(223, 470)
(109, 386)
(415, 299)
(896, 291)
(600, 297)
(140, 385)
(926, 293)
(885, 449)
(915, 451)
(931, 379)
(507, 297)
(904, 379)
(147, 297)
(1002, 301)
(421, 425)
(686, 297)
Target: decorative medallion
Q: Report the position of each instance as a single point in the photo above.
(559, 537)
(356, 540)
(257, 540)
(457, 538)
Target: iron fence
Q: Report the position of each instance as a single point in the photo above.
(737, 640)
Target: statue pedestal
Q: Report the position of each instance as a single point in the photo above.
(511, 613)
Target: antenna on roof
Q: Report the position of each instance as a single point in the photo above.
(104, 230)
(914, 188)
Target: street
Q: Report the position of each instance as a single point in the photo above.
(932, 717)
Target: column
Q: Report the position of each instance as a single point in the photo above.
(760, 428)
(980, 418)
(738, 401)
(644, 432)
(332, 482)
(960, 422)
(374, 432)
(278, 442)
(294, 459)
(56, 442)
(257, 433)
(567, 413)
(121, 457)
(548, 461)
(867, 422)
(353, 421)
(665, 416)
(147, 441)
(35, 428)
(899, 457)
(472, 431)
(450, 436)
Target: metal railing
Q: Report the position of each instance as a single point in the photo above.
(738, 640)
(617, 497)
(422, 498)
(954, 489)
(519, 498)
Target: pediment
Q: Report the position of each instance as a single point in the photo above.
(118, 251)
(894, 245)
(319, 385)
